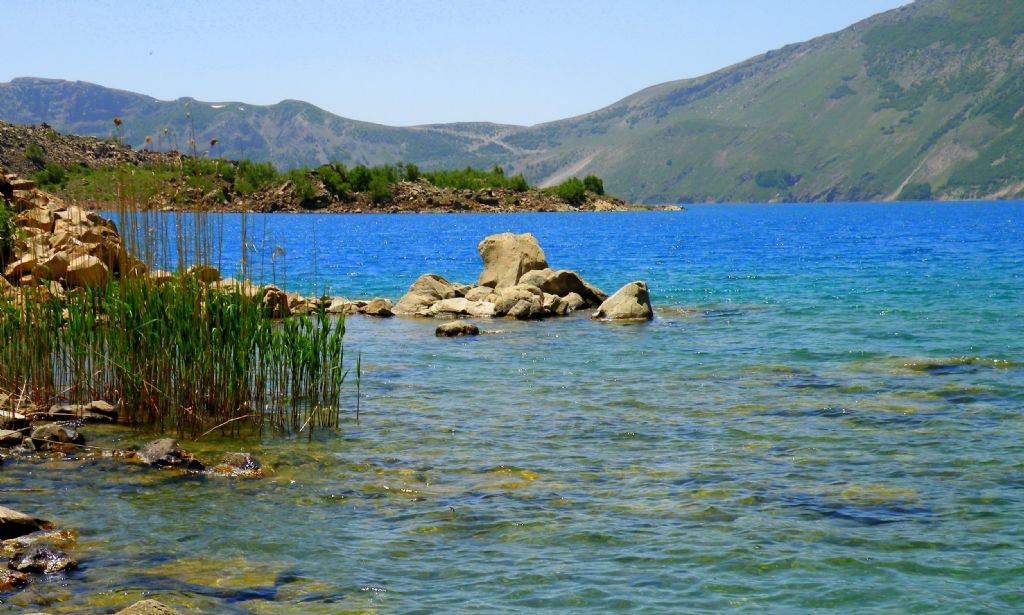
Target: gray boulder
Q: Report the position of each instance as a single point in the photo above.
(460, 306)
(41, 558)
(631, 302)
(165, 453)
(54, 436)
(10, 438)
(507, 257)
(505, 299)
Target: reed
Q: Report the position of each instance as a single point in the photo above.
(179, 355)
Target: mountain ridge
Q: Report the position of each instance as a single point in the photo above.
(920, 101)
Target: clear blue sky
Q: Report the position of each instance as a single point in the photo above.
(410, 62)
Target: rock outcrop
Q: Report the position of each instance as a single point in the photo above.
(516, 282)
(14, 524)
(507, 257)
(631, 302)
(457, 328)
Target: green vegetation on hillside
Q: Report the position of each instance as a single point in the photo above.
(7, 233)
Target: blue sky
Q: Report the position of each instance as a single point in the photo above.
(410, 62)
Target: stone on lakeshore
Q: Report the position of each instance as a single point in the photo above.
(572, 302)
(36, 218)
(9, 437)
(159, 278)
(427, 290)
(165, 453)
(563, 282)
(507, 257)
(460, 306)
(479, 293)
(20, 267)
(14, 524)
(457, 328)
(12, 579)
(9, 419)
(54, 436)
(381, 308)
(41, 558)
(526, 310)
(204, 273)
(275, 302)
(631, 302)
(60, 538)
(86, 270)
(338, 305)
(52, 267)
(148, 607)
(101, 407)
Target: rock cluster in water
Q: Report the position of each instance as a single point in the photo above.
(516, 282)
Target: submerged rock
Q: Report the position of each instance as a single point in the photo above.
(148, 607)
(14, 524)
(12, 579)
(41, 558)
(58, 538)
(165, 453)
(240, 464)
(507, 257)
(457, 328)
(54, 436)
(631, 302)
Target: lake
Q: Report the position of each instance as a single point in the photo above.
(826, 415)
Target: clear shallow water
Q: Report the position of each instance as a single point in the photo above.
(826, 416)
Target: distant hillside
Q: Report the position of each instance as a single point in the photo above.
(919, 101)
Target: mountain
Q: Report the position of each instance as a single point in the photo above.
(923, 100)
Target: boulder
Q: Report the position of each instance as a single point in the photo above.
(563, 282)
(507, 257)
(240, 464)
(204, 273)
(41, 558)
(86, 270)
(148, 607)
(101, 407)
(10, 437)
(14, 524)
(526, 310)
(338, 306)
(54, 537)
(275, 302)
(572, 302)
(460, 306)
(52, 267)
(427, 290)
(479, 293)
(12, 579)
(54, 436)
(631, 302)
(457, 328)
(165, 453)
(20, 267)
(9, 419)
(504, 299)
(36, 218)
(381, 308)
(159, 278)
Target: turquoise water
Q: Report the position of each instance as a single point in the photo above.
(825, 416)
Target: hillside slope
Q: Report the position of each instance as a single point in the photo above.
(923, 100)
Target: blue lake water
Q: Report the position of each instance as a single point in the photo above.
(826, 415)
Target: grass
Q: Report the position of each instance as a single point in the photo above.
(179, 356)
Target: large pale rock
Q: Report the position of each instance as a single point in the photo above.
(563, 282)
(20, 267)
(36, 218)
(52, 267)
(504, 299)
(165, 453)
(379, 307)
(427, 290)
(204, 273)
(479, 293)
(631, 302)
(276, 303)
(507, 257)
(460, 306)
(86, 270)
(14, 524)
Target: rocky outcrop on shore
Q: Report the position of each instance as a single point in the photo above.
(516, 282)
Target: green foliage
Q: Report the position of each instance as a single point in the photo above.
(572, 191)
(412, 172)
(7, 233)
(842, 90)
(35, 154)
(360, 178)
(594, 184)
(380, 188)
(301, 184)
(475, 179)
(335, 179)
(916, 192)
(999, 163)
(52, 176)
(775, 178)
(254, 176)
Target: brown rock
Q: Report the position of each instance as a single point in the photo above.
(148, 607)
(456, 328)
(53, 267)
(381, 308)
(427, 290)
(86, 270)
(562, 283)
(14, 524)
